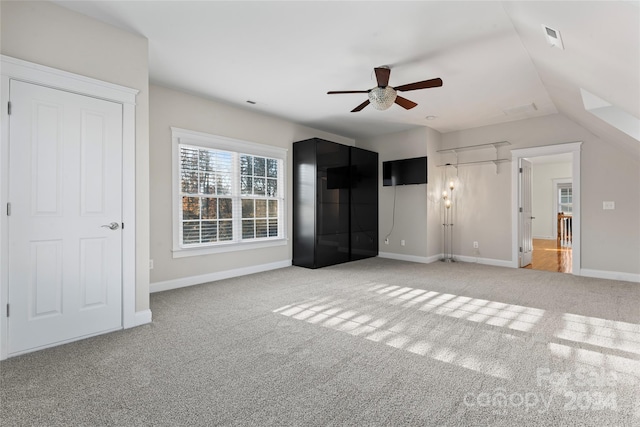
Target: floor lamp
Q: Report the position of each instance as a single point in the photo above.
(447, 249)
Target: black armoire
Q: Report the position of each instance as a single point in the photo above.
(335, 203)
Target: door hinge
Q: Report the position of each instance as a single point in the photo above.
(521, 210)
(122, 226)
(9, 107)
(7, 310)
(520, 170)
(8, 209)
(520, 248)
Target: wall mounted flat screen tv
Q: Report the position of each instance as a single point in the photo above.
(404, 171)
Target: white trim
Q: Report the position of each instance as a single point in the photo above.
(142, 317)
(516, 155)
(410, 258)
(228, 247)
(12, 68)
(4, 223)
(224, 143)
(128, 216)
(212, 277)
(59, 79)
(485, 261)
(611, 275)
(434, 258)
(200, 139)
(545, 237)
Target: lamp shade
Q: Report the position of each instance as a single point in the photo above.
(382, 97)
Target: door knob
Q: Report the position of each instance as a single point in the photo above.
(112, 226)
(533, 217)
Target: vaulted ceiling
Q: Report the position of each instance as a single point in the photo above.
(493, 58)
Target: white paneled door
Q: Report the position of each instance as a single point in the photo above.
(65, 195)
(526, 235)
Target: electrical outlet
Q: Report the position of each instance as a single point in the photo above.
(150, 264)
(475, 245)
(386, 241)
(401, 242)
(608, 205)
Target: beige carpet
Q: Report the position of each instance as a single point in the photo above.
(373, 342)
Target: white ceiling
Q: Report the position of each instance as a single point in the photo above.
(492, 56)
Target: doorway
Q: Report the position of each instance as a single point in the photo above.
(524, 234)
(552, 213)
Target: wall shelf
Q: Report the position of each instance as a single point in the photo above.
(477, 162)
(475, 147)
(457, 150)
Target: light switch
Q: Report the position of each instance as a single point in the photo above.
(608, 205)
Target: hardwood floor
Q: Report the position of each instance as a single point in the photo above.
(549, 256)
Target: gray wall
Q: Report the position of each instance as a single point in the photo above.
(610, 239)
(482, 198)
(47, 34)
(417, 214)
(483, 212)
(173, 108)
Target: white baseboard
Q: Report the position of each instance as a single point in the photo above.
(410, 258)
(611, 275)
(545, 237)
(486, 261)
(141, 318)
(433, 258)
(212, 277)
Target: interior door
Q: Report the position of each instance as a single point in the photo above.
(65, 193)
(526, 239)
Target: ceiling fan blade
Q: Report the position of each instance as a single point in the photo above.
(405, 103)
(382, 76)
(420, 85)
(361, 106)
(333, 92)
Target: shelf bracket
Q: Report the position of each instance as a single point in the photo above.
(495, 145)
(453, 165)
(496, 162)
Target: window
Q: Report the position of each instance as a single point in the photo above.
(565, 198)
(207, 205)
(259, 190)
(229, 194)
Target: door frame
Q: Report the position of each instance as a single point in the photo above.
(525, 248)
(16, 69)
(572, 148)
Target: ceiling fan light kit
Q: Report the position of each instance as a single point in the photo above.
(383, 95)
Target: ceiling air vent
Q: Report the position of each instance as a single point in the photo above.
(521, 109)
(553, 37)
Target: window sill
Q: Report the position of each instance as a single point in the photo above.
(230, 247)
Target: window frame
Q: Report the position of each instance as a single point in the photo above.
(238, 147)
(559, 188)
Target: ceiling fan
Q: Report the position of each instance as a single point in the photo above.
(383, 95)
